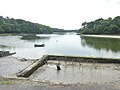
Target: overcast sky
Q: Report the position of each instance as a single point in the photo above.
(65, 14)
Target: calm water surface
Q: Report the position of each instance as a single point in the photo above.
(62, 44)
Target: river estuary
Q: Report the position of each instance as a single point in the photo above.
(62, 44)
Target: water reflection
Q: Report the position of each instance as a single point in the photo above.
(99, 43)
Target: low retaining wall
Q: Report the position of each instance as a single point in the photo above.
(34, 66)
(83, 59)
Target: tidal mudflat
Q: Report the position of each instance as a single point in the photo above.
(78, 73)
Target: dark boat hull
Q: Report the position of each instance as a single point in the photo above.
(36, 45)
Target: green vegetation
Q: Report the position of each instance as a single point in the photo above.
(102, 26)
(3, 46)
(8, 25)
(32, 37)
(6, 81)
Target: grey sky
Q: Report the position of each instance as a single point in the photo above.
(66, 14)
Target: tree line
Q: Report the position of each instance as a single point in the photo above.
(10, 25)
(102, 26)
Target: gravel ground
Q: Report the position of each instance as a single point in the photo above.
(9, 65)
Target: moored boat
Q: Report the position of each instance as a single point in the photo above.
(39, 45)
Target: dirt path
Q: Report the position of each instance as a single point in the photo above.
(47, 87)
(25, 84)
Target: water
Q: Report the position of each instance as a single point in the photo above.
(62, 44)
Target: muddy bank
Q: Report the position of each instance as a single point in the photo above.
(9, 66)
(77, 73)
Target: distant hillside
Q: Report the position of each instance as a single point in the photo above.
(8, 25)
(102, 26)
(58, 30)
(62, 30)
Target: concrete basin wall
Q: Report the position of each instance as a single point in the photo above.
(83, 59)
(34, 66)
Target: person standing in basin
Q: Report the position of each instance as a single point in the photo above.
(58, 67)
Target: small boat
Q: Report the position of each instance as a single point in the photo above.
(39, 45)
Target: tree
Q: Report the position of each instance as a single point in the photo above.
(8, 25)
(102, 26)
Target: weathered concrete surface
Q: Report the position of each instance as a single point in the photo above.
(33, 67)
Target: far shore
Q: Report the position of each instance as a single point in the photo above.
(104, 36)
